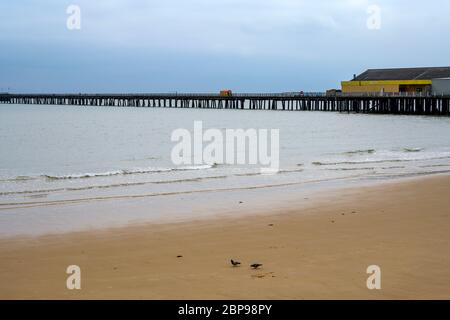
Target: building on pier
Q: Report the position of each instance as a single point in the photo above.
(441, 86)
(409, 80)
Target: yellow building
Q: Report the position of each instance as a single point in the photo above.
(395, 80)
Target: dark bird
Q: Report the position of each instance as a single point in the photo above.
(235, 263)
(256, 265)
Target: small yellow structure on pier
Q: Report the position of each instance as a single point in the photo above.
(410, 80)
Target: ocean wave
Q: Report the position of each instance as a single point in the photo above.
(368, 161)
(359, 152)
(393, 167)
(6, 193)
(199, 179)
(435, 166)
(351, 169)
(140, 159)
(320, 163)
(247, 174)
(28, 204)
(290, 170)
(412, 149)
(125, 172)
(372, 151)
(131, 184)
(406, 174)
(18, 179)
(114, 185)
(83, 175)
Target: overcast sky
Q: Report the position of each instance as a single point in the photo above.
(206, 45)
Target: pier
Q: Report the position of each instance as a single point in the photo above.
(378, 103)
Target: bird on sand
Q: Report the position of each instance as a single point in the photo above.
(235, 263)
(256, 265)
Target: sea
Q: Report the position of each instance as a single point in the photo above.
(69, 168)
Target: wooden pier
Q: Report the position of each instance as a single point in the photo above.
(367, 103)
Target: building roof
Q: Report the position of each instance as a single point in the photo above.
(404, 74)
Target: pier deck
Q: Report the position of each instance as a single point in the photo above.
(367, 103)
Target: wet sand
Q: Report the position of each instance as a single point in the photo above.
(321, 251)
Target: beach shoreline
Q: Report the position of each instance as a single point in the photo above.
(317, 251)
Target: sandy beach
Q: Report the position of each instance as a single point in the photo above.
(318, 252)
